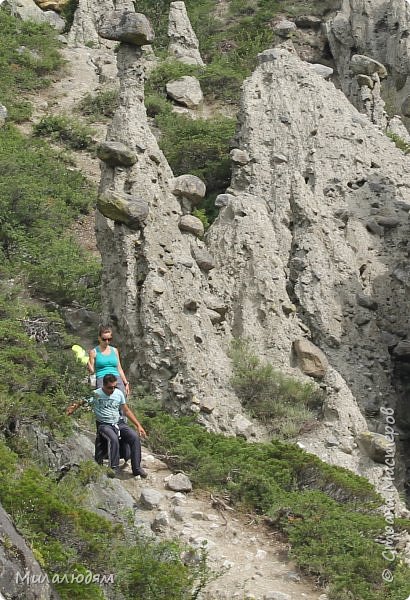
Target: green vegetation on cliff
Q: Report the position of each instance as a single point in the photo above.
(331, 517)
(29, 55)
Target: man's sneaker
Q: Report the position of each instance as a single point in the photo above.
(141, 473)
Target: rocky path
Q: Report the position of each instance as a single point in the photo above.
(251, 557)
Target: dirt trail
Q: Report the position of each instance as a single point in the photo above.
(252, 557)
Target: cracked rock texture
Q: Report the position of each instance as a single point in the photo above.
(379, 30)
(297, 231)
(307, 223)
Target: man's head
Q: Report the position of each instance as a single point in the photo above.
(109, 383)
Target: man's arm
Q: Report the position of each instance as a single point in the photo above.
(73, 407)
(128, 413)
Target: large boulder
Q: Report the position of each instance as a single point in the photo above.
(376, 446)
(16, 560)
(190, 187)
(128, 27)
(186, 90)
(192, 224)
(311, 359)
(123, 208)
(116, 153)
(367, 66)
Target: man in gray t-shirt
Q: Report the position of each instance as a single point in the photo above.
(106, 402)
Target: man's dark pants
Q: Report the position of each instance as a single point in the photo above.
(129, 437)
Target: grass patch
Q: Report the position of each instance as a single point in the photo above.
(29, 55)
(39, 200)
(65, 129)
(400, 143)
(100, 106)
(329, 514)
(285, 404)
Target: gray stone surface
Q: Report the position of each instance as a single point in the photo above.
(186, 90)
(179, 483)
(356, 29)
(116, 153)
(183, 43)
(278, 242)
(127, 27)
(16, 559)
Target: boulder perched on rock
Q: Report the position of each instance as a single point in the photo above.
(190, 187)
(128, 27)
(116, 153)
(123, 208)
(375, 445)
(203, 258)
(365, 65)
(191, 224)
(284, 28)
(311, 359)
(56, 5)
(186, 90)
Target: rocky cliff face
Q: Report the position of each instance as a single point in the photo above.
(380, 30)
(313, 240)
(310, 243)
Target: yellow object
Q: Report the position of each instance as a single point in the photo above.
(80, 353)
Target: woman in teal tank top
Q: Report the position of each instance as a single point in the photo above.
(105, 359)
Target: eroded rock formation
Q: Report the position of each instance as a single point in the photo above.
(184, 45)
(310, 245)
(317, 219)
(155, 279)
(378, 29)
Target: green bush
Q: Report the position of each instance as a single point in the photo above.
(330, 515)
(29, 55)
(156, 104)
(100, 106)
(283, 403)
(68, 12)
(67, 538)
(39, 200)
(199, 147)
(62, 128)
(200, 214)
(43, 378)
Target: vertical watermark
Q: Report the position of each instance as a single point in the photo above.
(388, 488)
